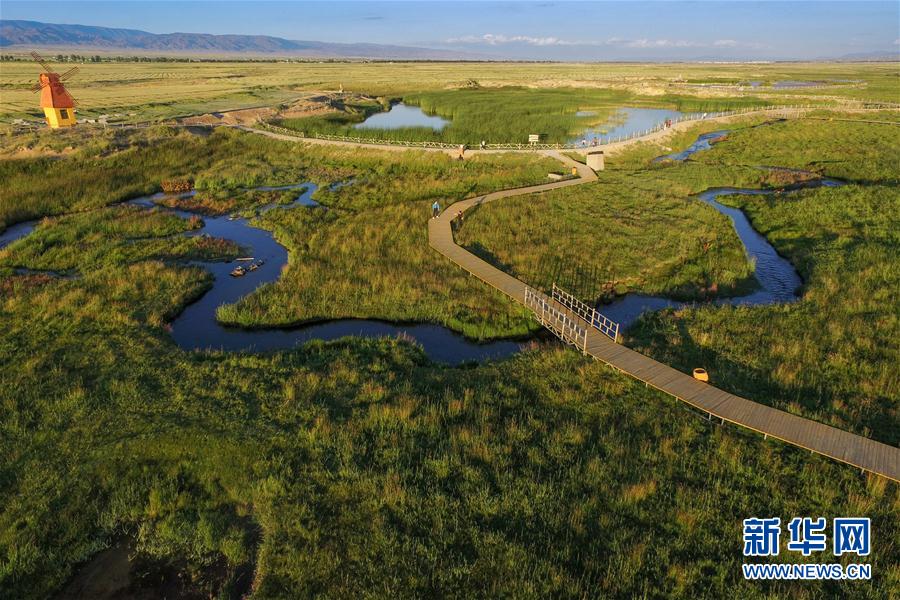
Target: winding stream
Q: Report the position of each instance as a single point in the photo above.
(704, 142)
(14, 232)
(778, 280)
(196, 328)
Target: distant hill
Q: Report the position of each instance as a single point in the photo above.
(878, 56)
(33, 34)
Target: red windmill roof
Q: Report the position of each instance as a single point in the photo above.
(53, 94)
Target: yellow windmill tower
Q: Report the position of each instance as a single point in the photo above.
(57, 102)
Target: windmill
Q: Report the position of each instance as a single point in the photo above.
(57, 102)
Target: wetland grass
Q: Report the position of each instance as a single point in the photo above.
(339, 468)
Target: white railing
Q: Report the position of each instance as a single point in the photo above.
(589, 314)
(538, 146)
(836, 103)
(565, 328)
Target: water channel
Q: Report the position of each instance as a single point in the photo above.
(196, 328)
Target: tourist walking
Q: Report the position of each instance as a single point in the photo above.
(483, 144)
(435, 209)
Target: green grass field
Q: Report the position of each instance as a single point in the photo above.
(358, 468)
(361, 457)
(151, 91)
(829, 357)
(593, 240)
(833, 355)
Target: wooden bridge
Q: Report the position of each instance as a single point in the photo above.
(576, 324)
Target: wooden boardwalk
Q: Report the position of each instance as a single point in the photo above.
(849, 448)
(846, 447)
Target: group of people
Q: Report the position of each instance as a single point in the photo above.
(463, 147)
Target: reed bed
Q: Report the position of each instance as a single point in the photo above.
(357, 467)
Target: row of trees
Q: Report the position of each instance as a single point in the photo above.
(57, 58)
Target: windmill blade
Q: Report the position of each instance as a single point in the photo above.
(40, 60)
(68, 73)
(39, 86)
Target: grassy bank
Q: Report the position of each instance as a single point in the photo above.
(373, 264)
(101, 168)
(545, 475)
(358, 467)
(595, 240)
(493, 115)
(120, 235)
(504, 115)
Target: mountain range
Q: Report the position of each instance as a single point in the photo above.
(34, 34)
(27, 35)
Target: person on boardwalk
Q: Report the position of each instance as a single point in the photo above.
(483, 144)
(457, 220)
(435, 209)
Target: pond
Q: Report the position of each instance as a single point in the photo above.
(399, 116)
(626, 122)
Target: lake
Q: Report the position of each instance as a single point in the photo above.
(399, 116)
(628, 121)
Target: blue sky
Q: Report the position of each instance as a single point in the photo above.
(529, 30)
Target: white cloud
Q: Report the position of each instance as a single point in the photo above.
(645, 43)
(495, 39)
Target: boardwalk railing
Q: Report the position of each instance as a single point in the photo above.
(536, 146)
(566, 328)
(591, 316)
(834, 103)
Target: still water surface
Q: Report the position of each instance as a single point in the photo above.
(401, 115)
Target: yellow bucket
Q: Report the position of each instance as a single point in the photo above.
(701, 375)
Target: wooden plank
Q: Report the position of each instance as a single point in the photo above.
(817, 437)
